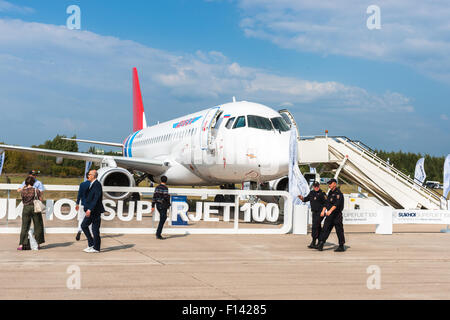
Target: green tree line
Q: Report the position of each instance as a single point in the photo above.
(406, 162)
(22, 162)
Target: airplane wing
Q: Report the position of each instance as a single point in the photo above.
(151, 166)
(111, 144)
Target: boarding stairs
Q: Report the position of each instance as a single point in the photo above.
(355, 162)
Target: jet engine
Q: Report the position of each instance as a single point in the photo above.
(116, 177)
(281, 184)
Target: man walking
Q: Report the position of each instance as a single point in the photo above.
(82, 190)
(94, 208)
(317, 199)
(334, 207)
(161, 199)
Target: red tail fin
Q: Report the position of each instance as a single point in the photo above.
(138, 106)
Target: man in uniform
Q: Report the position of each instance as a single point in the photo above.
(317, 199)
(333, 209)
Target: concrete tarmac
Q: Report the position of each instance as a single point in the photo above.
(414, 263)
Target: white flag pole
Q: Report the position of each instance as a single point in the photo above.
(446, 185)
(419, 173)
(297, 183)
(446, 176)
(2, 160)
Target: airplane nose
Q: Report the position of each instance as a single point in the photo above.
(276, 155)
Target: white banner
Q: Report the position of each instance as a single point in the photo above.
(419, 174)
(297, 183)
(2, 160)
(446, 176)
(421, 216)
(361, 217)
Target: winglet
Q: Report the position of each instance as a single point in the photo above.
(139, 121)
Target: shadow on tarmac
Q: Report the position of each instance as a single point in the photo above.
(332, 246)
(122, 247)
(57, 245)
(113, 236)
(175, 236)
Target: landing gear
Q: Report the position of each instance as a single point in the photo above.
(135, 196)
(139, 177)
(225, 197)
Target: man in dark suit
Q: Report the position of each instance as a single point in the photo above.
(81, 199)
(94, 208)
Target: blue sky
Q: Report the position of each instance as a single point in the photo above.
(387, 87)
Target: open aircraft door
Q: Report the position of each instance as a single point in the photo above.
(209, 122)
(289, 118)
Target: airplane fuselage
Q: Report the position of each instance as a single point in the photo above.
(230, 143)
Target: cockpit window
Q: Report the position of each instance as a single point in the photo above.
(240, 122)
(286, 119)
(259, 122)
(280, 124)
(230, 123)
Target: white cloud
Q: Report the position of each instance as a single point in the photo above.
(413, 32)
(78, 82)
(444, 117)
(6, 6)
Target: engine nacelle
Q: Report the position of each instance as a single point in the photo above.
(281, 184)
(116, 177)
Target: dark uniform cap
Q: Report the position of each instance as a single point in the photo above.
(331, 181)
(316, 184)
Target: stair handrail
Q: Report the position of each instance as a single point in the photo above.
(370, 152)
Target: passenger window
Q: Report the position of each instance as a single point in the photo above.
(240, 122)
(230, 123)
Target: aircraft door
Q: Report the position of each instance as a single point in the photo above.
(289, 118)
(207, 126)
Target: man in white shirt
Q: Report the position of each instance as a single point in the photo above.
(38, 185)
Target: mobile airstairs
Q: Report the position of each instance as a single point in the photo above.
(354, 162)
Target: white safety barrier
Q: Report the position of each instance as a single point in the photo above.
(254, 212)
(296, 219)
(300, 220)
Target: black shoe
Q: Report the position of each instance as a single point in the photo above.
(341, 248)
(78, 236)
(160, 238)
(320, 246)
(313, 245)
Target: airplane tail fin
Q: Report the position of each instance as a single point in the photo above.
(139, 121)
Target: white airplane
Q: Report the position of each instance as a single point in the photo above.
(227, 144)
